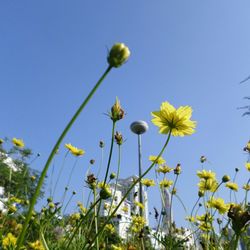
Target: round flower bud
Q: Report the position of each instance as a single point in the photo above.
(49, 200)
(118, 55)
(92, 161)
(200, 193)
(236, 170)
(226, 178)
(112, 176)
(105, 193)
(101, 144)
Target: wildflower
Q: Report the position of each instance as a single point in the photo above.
(175, 120)
(37, 245)
(91, 181)
(206, 227)
(164, 169)
(190, 218)
(200, 193)
(109, 228)
(233, 186)
(203, 159)
(101, 144)
(204, 217)
(177, 169)
(112, 176)
(33, 178)
(18, 142)
(240, 217)
(114, 247)
(247, 147)
(174, 191)
(117, 113)
(246, 187)
(208, 185)
(206, 174)
(225, 178)
(165, 183)
(9, 241)
(118, 55)
(118, 138)
(83, 209)
(92, 161)
(247, 165)
(125, 209)
(139, 204)
(158, 161)
(219, 204)
(105, 191)
(138, 223)
(148, 182)
(74, 150)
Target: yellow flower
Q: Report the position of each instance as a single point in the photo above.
(37, 245)
(204, 217)
(208, 185)
(219, 204)
(18, 142)
(233, 186)
(109, 228)
(246, 187)
(206, 227)
(139, 204)
(148, 182)
(125, 209)
(159, 161)
(206, 174)
(138, 223)
(118, 55)
(164, 169)
(190, 218)
(114, 247)
(247, 165)
(9, 241)
(175, 120)
(74, 150)
(165, 183)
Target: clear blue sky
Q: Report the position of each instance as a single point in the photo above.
(185, 52)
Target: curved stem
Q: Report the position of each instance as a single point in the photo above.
(131, 187)
(46, 167)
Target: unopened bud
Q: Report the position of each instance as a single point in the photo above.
(101, 144)
(177, 169)
(226, 178)
(112, 176)
(118, 138)
(118, 55)
(117, 113)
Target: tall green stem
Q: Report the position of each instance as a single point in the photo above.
(46, 167)
(110, 152)
(131, 187)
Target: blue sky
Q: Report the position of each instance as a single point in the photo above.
(185, 52)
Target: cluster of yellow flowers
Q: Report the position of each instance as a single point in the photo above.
(137, 224)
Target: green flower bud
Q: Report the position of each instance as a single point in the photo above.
(118, 55)
(105, 193)
(226, 178)
(201, 193)
(112, 176)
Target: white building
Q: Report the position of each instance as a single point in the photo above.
(128, 207)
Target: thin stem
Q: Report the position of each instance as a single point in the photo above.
(46, 167)
(60, 173)
(71, 172)
(110, 152)
(132, 186)
(96, 221)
